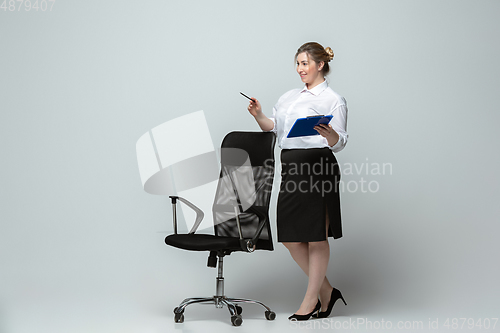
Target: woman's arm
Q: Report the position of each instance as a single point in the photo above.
(255, 110)
(336, 132)
(326, 131)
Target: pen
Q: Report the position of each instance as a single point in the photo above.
(247, 97)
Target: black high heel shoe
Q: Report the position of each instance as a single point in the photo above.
(336, 294)
(306, 316)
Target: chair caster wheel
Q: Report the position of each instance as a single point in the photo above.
(270, 315)
(239, 309)
(179, 317)
(236, 320)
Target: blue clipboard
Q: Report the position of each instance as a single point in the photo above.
(305, 126)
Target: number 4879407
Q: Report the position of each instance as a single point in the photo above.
(27, 5)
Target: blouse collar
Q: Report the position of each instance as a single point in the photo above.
(316, 90)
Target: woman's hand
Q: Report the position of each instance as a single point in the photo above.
(328, 132)
(255, 110)
(254, 107)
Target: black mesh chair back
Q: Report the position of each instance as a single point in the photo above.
(247, 171)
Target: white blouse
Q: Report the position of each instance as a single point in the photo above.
(299, 103)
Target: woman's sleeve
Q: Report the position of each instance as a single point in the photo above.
(273, 119)
(275, 108)
(339, 124)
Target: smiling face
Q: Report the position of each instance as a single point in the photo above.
(309, 70)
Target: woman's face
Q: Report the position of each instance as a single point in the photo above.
(309, 71)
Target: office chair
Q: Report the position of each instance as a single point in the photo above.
(240, 214)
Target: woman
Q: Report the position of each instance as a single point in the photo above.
(308, 209)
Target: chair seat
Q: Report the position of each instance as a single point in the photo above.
(202, 242)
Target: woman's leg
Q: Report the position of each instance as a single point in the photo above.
(299, 253)
(326, 289)
(313, 257)
(319, 254)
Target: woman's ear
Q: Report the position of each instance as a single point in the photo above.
(320, 65)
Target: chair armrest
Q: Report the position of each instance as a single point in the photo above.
(262, 223)
(199, 213)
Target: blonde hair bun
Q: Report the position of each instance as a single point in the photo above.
(329, 51)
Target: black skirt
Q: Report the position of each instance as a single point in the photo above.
(309, 187)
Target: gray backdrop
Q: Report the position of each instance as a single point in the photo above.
(81, 243)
